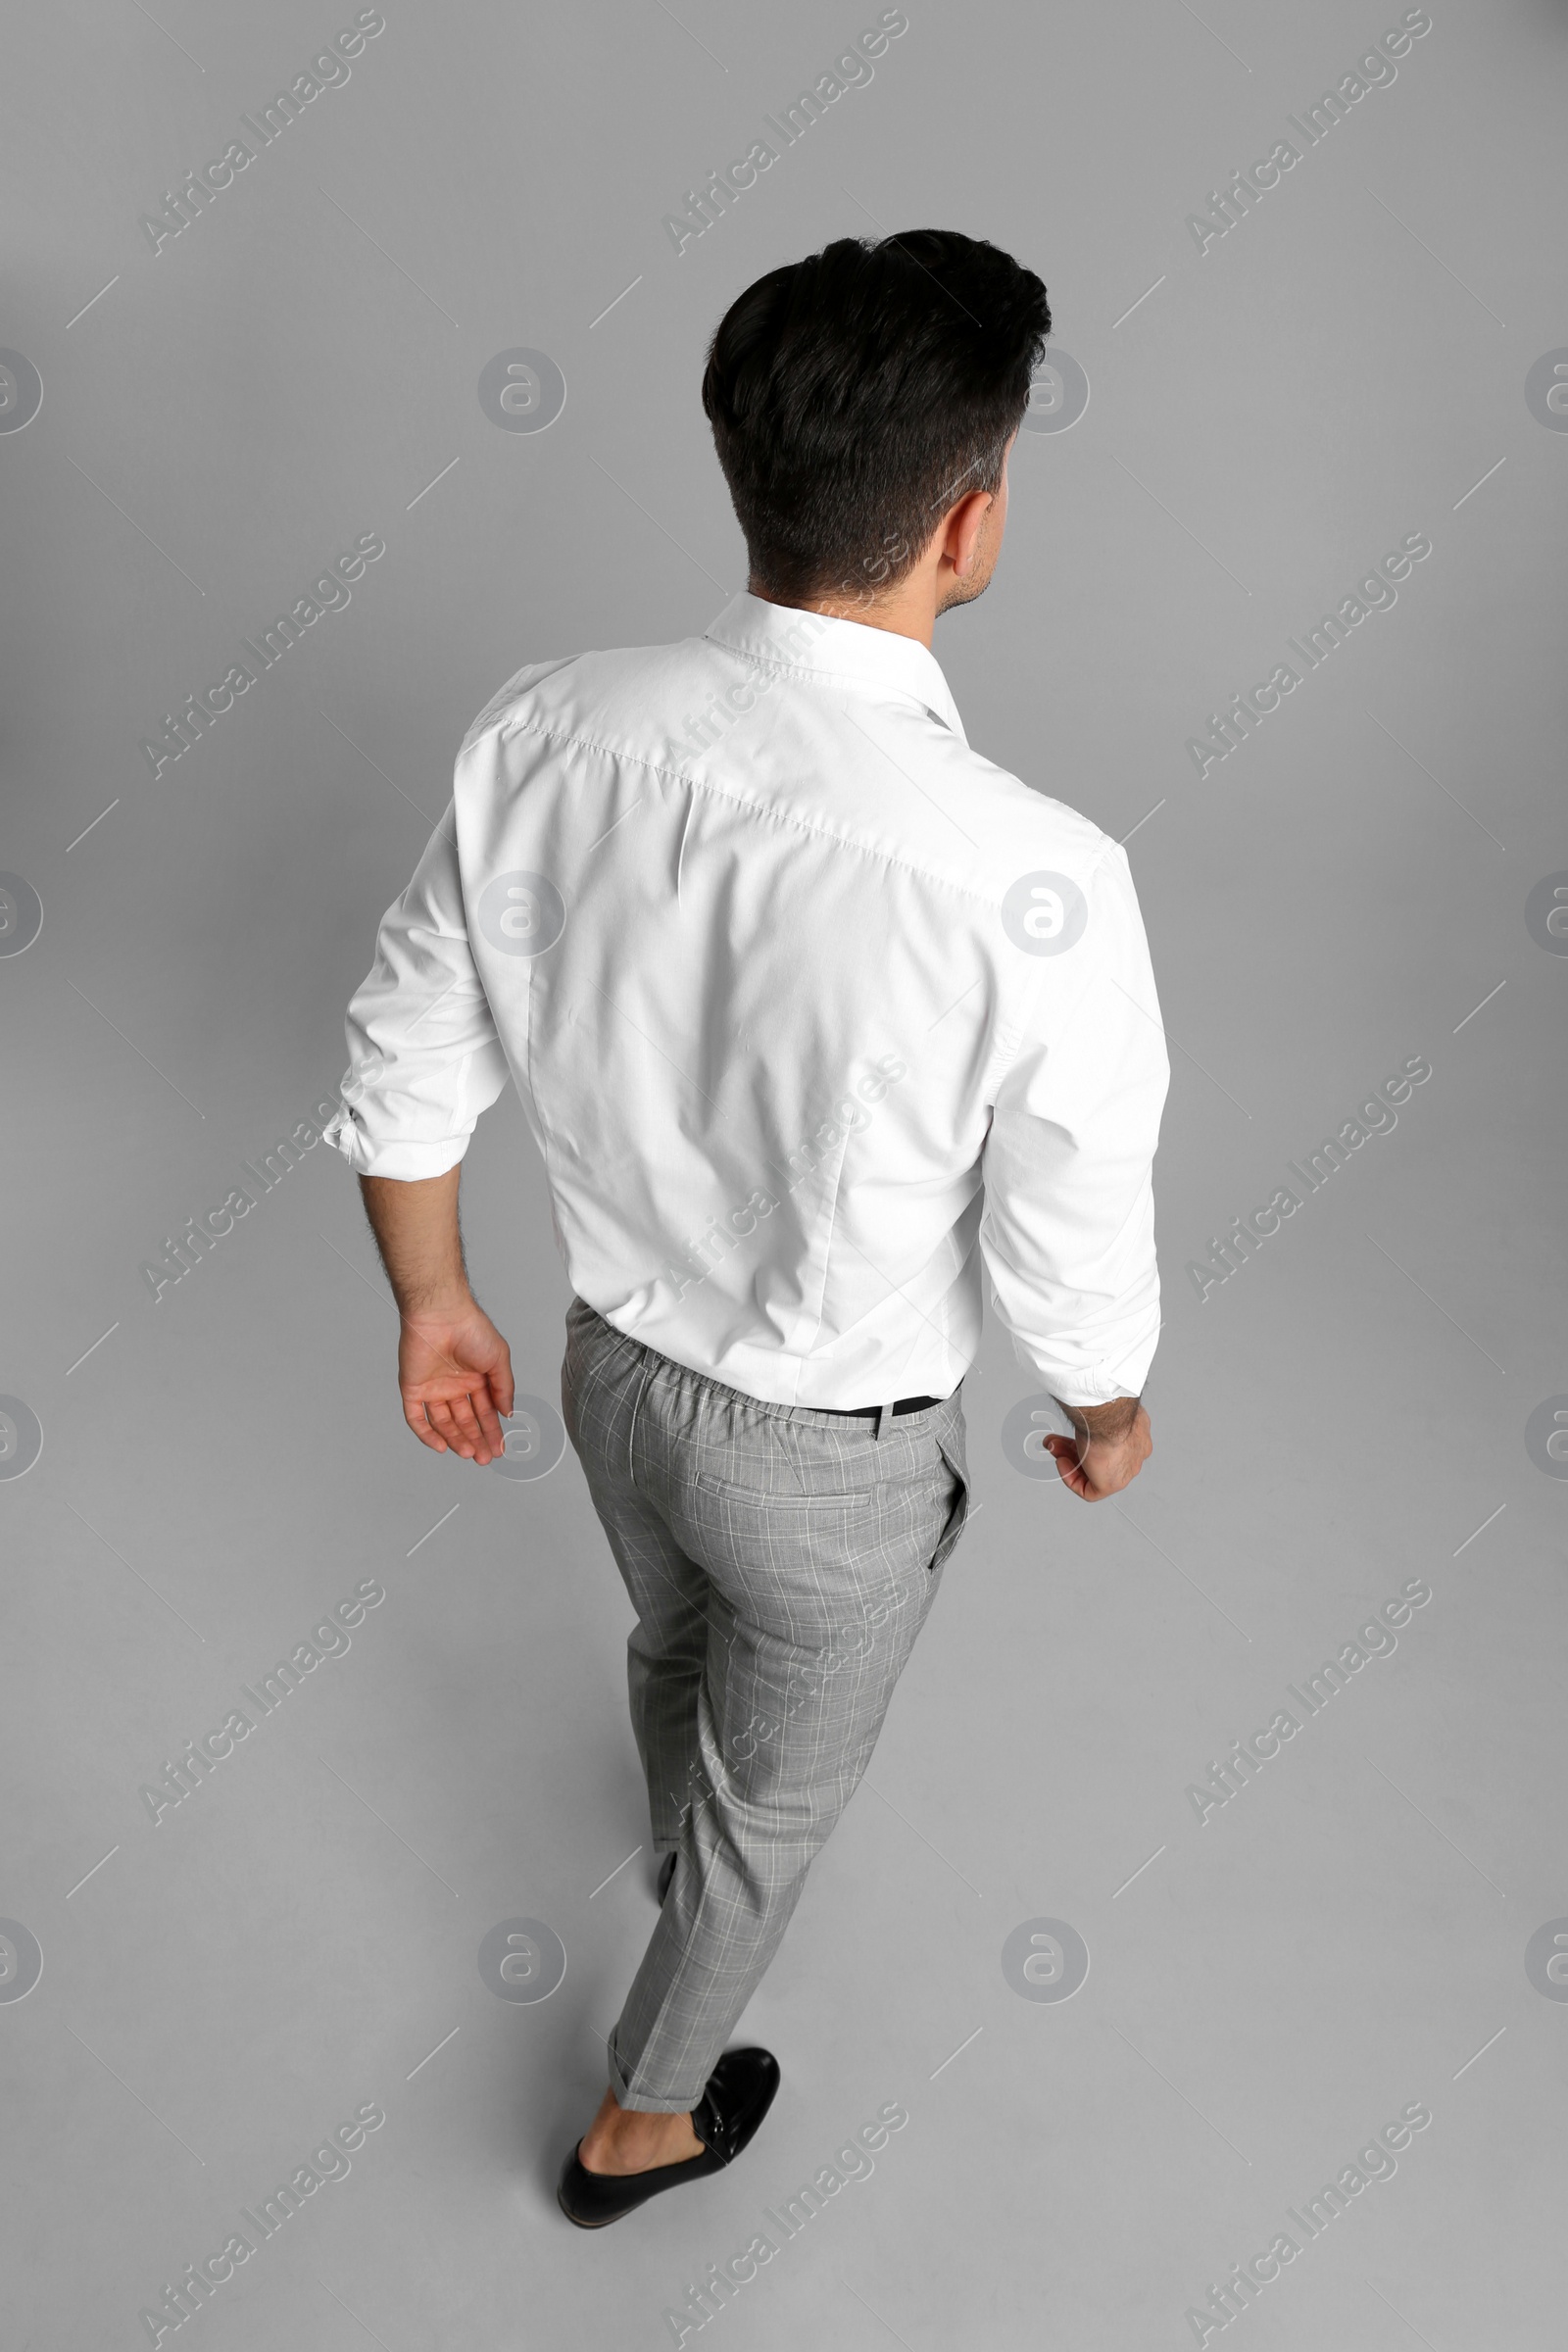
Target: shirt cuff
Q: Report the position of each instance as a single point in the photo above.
(407, 1160)
(1093, 1383)
(1081, 1392)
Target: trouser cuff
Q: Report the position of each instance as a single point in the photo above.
(642, 2101)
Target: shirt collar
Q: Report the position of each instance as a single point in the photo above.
(820, 646)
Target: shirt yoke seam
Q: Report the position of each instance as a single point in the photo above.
(654, 767)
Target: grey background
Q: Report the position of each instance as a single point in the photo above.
(296, 368)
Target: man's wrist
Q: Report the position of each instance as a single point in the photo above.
(436, 1303)
(1110, 1420)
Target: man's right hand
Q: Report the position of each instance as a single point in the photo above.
(454, 1375)
(1110, 1445)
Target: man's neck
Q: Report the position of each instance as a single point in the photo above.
(908, 610)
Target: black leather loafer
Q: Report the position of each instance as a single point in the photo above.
(666, 1871)
(739, 2093)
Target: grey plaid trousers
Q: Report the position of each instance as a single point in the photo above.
(781, 1562)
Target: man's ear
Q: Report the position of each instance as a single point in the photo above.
(964, 527)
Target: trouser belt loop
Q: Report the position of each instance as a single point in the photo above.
(884, 1414)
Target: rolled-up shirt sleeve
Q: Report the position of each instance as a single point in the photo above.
(1068, 1230)
(424, 1059)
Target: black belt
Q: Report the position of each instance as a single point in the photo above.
(869, 1412)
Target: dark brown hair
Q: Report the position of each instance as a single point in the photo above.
(856, 394)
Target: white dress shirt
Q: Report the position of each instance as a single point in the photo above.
(810, 1006)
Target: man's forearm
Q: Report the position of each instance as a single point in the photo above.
(454, 1367)
(417, 1231)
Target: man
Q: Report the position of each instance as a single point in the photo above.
(810, 1009)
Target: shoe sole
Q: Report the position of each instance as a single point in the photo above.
(604, 2224)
